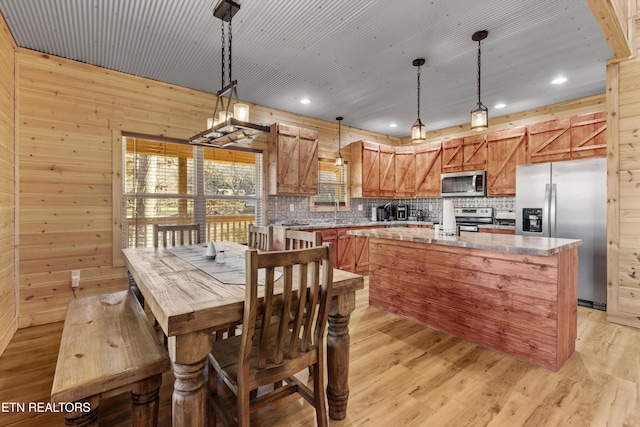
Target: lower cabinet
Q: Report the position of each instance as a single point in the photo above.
(496, 230)
(351, 253)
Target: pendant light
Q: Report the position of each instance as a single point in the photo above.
(418, 132)
(228, 127)
(339, 159)
(480, 114)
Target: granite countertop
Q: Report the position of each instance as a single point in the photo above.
(319, 225)
(544, 246)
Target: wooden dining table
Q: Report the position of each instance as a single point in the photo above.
(189, 304)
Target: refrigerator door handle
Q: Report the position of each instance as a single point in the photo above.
(545, 212)
(552, 213)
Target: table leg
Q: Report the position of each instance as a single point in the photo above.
(189, 354)
(340, 310)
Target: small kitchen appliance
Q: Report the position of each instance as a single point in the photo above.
(402, 212)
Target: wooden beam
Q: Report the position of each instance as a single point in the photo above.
(614, 16)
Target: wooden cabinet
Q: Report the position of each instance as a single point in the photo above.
(365, 169)
(464, 154)
(405, 171)
(372, 170)
(452, 155)
(506, 149)
(346, 251)
(588, 136)
(474, 152)
(292, 160)
(549, 141)
(351, 253)
(428, 169)
(387, 162)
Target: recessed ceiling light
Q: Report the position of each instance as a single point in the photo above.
(393, 125)
(305, 101)
(500, 105)
(558, 80)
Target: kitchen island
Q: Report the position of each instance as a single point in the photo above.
(513, 294)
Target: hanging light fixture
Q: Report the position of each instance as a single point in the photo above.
(226, 127)
(480, 114)
(339, 159)
(418, 131)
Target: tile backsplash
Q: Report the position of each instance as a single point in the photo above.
(279, 208)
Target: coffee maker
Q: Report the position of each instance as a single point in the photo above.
(402, 212)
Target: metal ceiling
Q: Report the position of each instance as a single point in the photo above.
(351, 58)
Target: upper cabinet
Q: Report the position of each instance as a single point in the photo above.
(292, 160)
(550, 141)
(387, 163)
(365, 169)
(405, 171)
(452, 155)
(506, 149)
(474, 149)
(428, 169)
(589, 136)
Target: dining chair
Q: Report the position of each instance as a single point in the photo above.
(260, 237)
(297, 239)
(295, 306)
(176, 233)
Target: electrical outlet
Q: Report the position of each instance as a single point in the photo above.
(360, 207)
(291, 207)
(75, 278)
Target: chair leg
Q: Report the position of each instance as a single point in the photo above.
(213, 389)
(244, 410)
(319, 395)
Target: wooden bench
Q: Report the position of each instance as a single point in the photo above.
(108, 347)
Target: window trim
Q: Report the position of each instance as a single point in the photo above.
(330, 207)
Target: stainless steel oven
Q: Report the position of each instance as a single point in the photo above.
(468, 219)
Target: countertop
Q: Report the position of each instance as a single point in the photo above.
(544, 246)
(319, 225)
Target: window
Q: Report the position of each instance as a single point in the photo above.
(168, 183)
(333, 186)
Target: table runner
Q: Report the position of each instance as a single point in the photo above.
(230, 272)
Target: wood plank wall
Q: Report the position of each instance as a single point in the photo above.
(8, 312)
(623, 154)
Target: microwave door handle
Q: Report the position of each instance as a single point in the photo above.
(473, 182)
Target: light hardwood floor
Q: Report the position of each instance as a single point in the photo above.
(403, 374)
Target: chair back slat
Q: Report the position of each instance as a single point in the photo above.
(294, 322)
(297, 239)
(176, 233)
(260, 237)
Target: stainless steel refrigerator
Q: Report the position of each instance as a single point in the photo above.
(569, 200)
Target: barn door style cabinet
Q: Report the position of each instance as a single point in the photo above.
(372, 170)
(506, 149)
(428, 169)
(405, 172)
(292, 161)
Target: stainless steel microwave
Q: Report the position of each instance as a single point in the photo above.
(463, 184)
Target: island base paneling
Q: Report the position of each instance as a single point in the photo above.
(517, 304)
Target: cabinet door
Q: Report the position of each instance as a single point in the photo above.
(474, 152)
(362, 254)
(506, 149)
(370, 170)
(308, 162)
(387, 171)
(346, 251)
(287, 159)
(549, 141)
(588, 136)
(405, 168)
(428, 169)
(452, 155)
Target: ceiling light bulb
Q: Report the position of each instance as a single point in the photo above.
(500, 105)
(558, 80)
(305, 101)
(393, 125)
